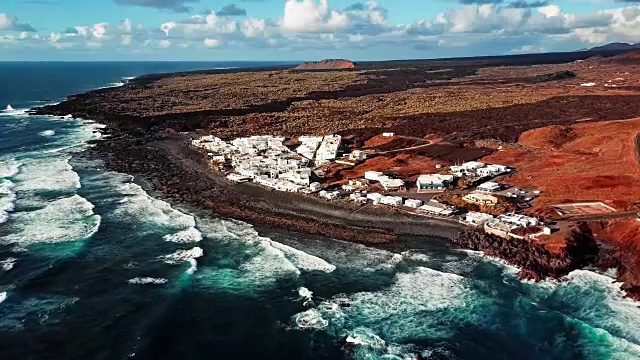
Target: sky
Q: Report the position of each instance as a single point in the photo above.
(299, 30)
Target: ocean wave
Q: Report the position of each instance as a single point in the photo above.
(147, 280)
(138, 206)
(310, 319)
(181, 255)
(10, 111)
(7, 199)
(190, 235)
(596, 300)
(3, 296)
(8, 263)
(193, 266)
(47, 133)
(405, 310)
(47, 174)
(9, 168)
(306, 295)
(66, 219)
(299, 259)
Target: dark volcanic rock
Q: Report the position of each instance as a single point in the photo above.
(534, 259)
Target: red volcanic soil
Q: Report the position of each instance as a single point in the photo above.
(404, 166)
(583, 162)
(378, 140)
(329, 64)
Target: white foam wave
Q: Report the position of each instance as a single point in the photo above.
(66, 219)
(406, 310)
(47, 133)
(10, 111)
(191, 235)
(310, 319)
(147, 280)
(181, 255)
(9, 168)
(306, 295)
(7, 200)
(365, 337)
(138, 206)
(8, 263)
(194, 266)
(297, 259)
(301, 259)
(47, 174)
(3, 296)
(602, 304)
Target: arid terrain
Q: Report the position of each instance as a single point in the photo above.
(568, 124)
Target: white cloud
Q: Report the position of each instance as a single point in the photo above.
(309, 16)
(314, 24)
(212, 43)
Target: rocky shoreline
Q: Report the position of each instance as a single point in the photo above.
(145, 142)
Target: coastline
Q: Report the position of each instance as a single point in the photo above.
(150, 149)
(189, 181)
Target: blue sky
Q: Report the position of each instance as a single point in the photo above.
(306, 29)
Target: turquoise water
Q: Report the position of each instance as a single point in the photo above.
(91, 267)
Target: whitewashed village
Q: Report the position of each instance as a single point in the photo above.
(297, 167)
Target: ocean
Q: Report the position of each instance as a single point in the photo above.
(91, 267)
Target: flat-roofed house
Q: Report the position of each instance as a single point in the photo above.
(391, 200)
(489, 187)
(480, 199)
(433, 182)
(476, 218)
(413, 203)
(436, 208)
(390, 184)
(372, 175)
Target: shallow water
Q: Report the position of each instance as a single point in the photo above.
(91, 267)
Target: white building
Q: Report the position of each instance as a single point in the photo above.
(329, 195)
(388, 134)
(492, 170)
(357, 155)
(328, 149)
(468, 168)
(489, 187)
(436, 208)
(373, 175)
(391, 200)
(390, 184)
(433, 182)
(519, 220)
(413, 203)
(375, 197)
(476, 218)
(315, 186)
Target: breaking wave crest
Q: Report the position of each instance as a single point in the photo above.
(66, 219)
(47, 174)
(7, 199)
(138, 206)
(405, 310)
(9, 168)
(8, 263)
